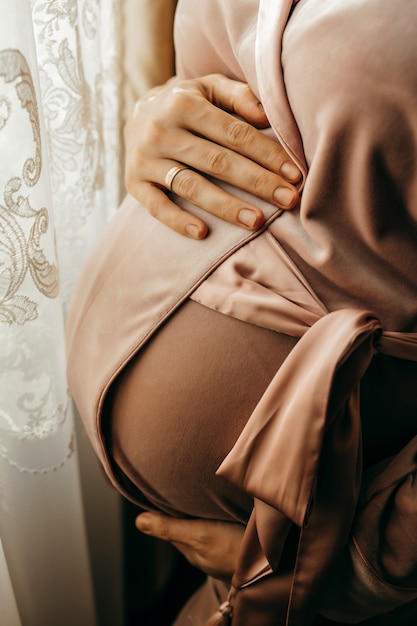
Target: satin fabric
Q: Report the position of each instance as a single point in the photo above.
(301, 448)
(322, 78)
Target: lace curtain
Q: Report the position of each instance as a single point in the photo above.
(59, 183)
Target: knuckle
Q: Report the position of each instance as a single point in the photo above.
(134, 165)
(184, 85)
(202, 539)
(239, 133)
(152, 134)
(261, 185)
(185, 185)
(152, 210)
(244, 89)
(228, 209)
(153, 207)
(179, 103)
(163, 529)
(217, 161)
(173, 101)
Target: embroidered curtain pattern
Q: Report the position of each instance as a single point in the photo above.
(59, 182)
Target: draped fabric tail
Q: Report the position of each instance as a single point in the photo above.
(222, 617)
(306, 429)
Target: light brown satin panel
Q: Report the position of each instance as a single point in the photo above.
(178, 408)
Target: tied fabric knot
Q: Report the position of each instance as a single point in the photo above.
(286, 430)
(300, 457)
(223, 615)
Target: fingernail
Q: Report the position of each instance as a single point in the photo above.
(284, 197)
(290, 171)
(246, 217)
(143, 523)
(193, 231)
(260, 107)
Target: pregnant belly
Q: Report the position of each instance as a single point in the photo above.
(176, 411)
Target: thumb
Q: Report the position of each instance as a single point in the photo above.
(163, 527)
(236, 97)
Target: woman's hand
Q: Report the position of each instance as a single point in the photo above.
(193, 123)
(209, 545)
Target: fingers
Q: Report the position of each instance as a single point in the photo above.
(212, 546)
(213, 160)
(194, 187)
(181, 531)
(217, 143)
(209, 538)
(197, 189)
(240, 135)
(235, 168)
(230, 95)
(183, 124)
(217, 124)
(163, 209)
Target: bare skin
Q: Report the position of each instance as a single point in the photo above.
(211, 546)
(194, 123)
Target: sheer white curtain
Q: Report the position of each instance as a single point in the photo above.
(59, 182)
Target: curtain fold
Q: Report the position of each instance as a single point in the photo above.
(59, 183)
(9, 610)
(70, 71)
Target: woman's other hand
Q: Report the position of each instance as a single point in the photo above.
(211, 546)
(193, 123)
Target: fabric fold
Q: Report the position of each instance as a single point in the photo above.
(300, 457)
(287, 428)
